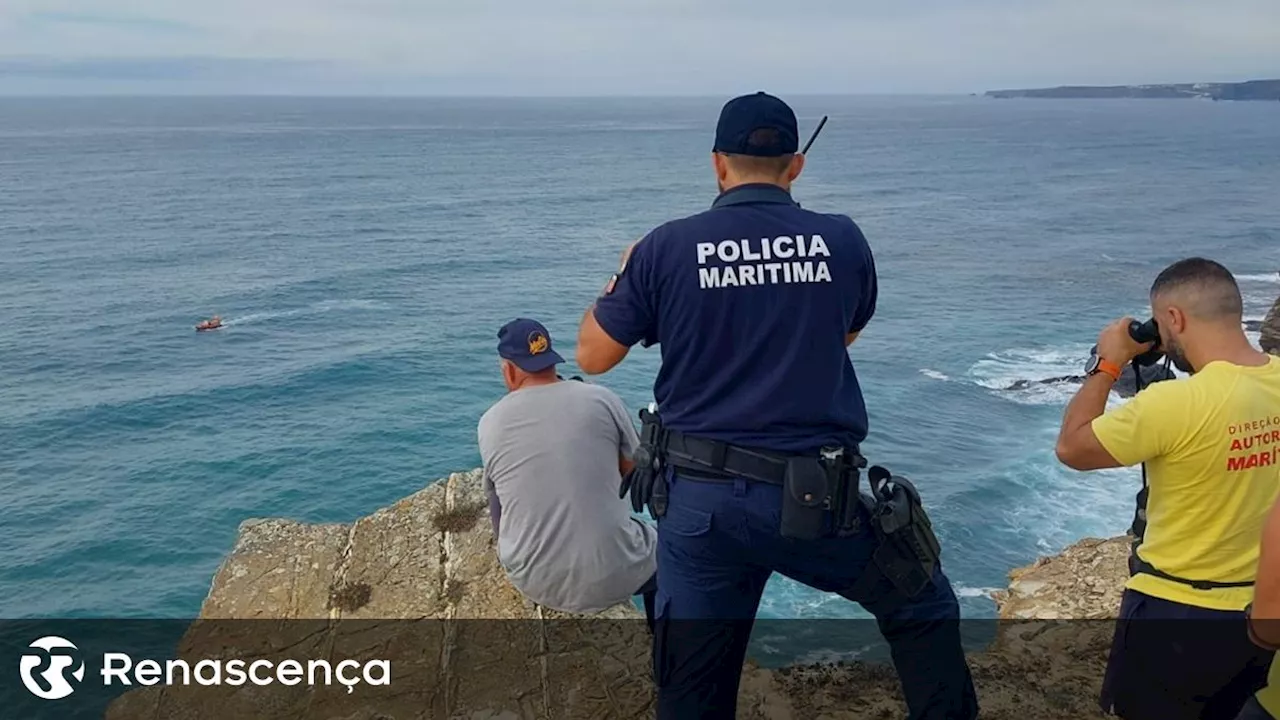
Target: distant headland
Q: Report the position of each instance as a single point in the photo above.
(1251, 90)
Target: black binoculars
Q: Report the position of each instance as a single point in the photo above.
(1146, 332)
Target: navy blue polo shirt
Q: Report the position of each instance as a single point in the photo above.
(750, 302)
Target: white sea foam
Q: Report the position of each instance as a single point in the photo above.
(1065, 505)
(831, 657)
(934, 374)
(970, 592)
(1259, 277)
(323, 306)
(999, 371)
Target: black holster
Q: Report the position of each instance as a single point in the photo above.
(820, 494)
(908, 551)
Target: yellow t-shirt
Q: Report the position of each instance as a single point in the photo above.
(1211, 443)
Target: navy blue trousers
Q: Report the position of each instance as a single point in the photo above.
(1171, 661)
(718, 544)
(1254, 711)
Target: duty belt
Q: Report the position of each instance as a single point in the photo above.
(712, 459)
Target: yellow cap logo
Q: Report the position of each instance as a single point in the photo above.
(538, 343)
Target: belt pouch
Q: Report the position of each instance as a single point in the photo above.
(850, 507)
(805, 498)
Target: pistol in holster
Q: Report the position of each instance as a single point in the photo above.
(647, 481)
(820, 494)
(908, 551)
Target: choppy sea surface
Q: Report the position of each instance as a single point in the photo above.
(364, 252)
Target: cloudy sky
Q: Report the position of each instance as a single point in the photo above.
(626, 47)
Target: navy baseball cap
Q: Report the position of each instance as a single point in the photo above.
(527, 343)
(745, 114)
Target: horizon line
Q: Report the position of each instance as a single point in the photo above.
(461, 96)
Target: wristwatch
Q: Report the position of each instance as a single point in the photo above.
(1097, 365)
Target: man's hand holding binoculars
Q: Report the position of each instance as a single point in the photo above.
(1116, 343)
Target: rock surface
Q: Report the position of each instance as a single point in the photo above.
(418, 582)
(1083, 582)
(1269, 332)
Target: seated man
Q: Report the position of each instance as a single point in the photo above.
(554, 454)
(1209, 444)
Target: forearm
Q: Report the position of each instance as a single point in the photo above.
(1088, 405)
(1264, 618)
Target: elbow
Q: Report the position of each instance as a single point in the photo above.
(588, 362)
(1067, 454)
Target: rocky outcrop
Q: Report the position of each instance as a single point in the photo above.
(418, 583)
(1269, 332)
(1248, 90)
(1083, 582)
(1045, 659)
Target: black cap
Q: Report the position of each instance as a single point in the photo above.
(746, 114)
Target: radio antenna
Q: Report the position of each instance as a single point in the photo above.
(814, 136)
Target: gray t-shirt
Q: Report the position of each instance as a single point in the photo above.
(565, 538)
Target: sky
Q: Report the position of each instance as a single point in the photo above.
(625, 47)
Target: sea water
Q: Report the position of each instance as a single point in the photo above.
(363, 254)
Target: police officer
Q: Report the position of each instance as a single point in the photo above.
(754, 303)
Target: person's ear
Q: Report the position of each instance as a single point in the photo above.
(721, 167)
(1177, 319)
(795, 168)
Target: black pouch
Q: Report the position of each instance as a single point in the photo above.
(806, 493)
(849, 506)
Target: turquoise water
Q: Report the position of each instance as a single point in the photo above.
(364, 253)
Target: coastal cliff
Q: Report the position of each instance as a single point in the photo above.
(419, 582)
(1249, 90)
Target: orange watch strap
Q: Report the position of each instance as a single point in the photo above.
(1109, 368)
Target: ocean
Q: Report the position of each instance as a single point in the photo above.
(364, 252)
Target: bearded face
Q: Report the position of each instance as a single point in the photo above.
(1173, 349)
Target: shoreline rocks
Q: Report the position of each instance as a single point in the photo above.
(418, 582)
(1269, 331)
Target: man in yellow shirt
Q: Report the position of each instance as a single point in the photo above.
(1211, 449)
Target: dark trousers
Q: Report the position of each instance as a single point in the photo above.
(1171, 661)
(648, 593)
(719, 543)
(1253, 710)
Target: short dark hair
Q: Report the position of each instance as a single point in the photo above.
(756, 165)
(1214, 292)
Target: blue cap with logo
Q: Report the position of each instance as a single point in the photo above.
(742, 116)
(527, 343)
